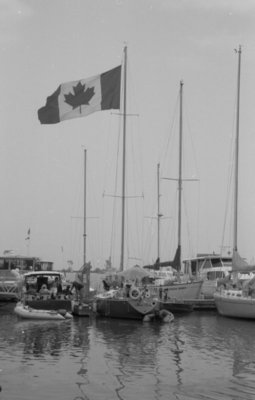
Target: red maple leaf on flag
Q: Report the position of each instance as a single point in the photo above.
(80, 96)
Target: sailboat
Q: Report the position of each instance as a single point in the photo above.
(172, 296)
(128, 300)
(238, 300)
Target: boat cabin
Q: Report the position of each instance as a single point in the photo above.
(37, 281)
(24, 264)
(208, 266)
(11, 270)
(164, 275)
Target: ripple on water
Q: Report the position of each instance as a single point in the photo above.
(199, 356)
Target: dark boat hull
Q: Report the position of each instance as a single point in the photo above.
(50, 304)
(123, 308)
(176, 306)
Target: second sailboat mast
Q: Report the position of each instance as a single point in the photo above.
(237, 151)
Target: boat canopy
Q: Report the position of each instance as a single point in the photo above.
(52, 274)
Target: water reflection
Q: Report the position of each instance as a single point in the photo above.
(40, 339)
(137, 348)
(199, 356)
(81, 342)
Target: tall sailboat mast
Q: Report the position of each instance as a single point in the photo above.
(85, 207)
(239, 51)
(124, 161)
(180, 176)
(176, 263)
(159, 215)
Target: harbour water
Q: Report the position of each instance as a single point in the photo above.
(198, 356)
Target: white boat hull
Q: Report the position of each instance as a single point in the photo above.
(178, 291)
(232, 303)
(30, 313)
(208, 289)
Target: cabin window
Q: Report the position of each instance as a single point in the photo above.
(24, 264)
(193, 267)
(186, 267)
(207, 264)
(212, 275)
(216, 262)
(227, 262)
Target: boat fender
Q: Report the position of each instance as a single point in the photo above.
(68, 315)
(166, 316)
(221, 288)
(147, 294)
(148, 317)
(134, 293)
(62, 311)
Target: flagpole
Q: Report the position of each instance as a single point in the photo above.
(124, 162)
(28, 247)
(28, 242)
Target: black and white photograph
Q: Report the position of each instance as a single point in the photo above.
(127, 206)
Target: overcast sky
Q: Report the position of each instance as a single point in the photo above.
(47, 42)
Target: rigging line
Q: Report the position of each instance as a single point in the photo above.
(147, 245)
(106, 170)
(170, 236)
(135, 170)
(114, 211)
(173, 236)
(112, 243)
(149, 239)
(75, 230)
(230, 179)
(186, 117)
(189, 241)
(94, 229)
(137, 213)
(131, 171)
(137, 241)
(198, 218)
(137, 173)
(170, 135)
(228, 204)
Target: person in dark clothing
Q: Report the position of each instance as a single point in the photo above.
(106, 285)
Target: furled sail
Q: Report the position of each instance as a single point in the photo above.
(239, 264)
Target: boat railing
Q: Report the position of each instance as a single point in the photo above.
(38, 296)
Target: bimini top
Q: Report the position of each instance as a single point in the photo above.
(44, 273)
(205, 256)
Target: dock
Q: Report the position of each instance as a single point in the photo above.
(202, 304)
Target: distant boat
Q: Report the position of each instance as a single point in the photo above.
(129, 301)
(12, 268)
(237, 301)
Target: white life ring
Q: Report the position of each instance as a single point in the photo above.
(134, 293)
